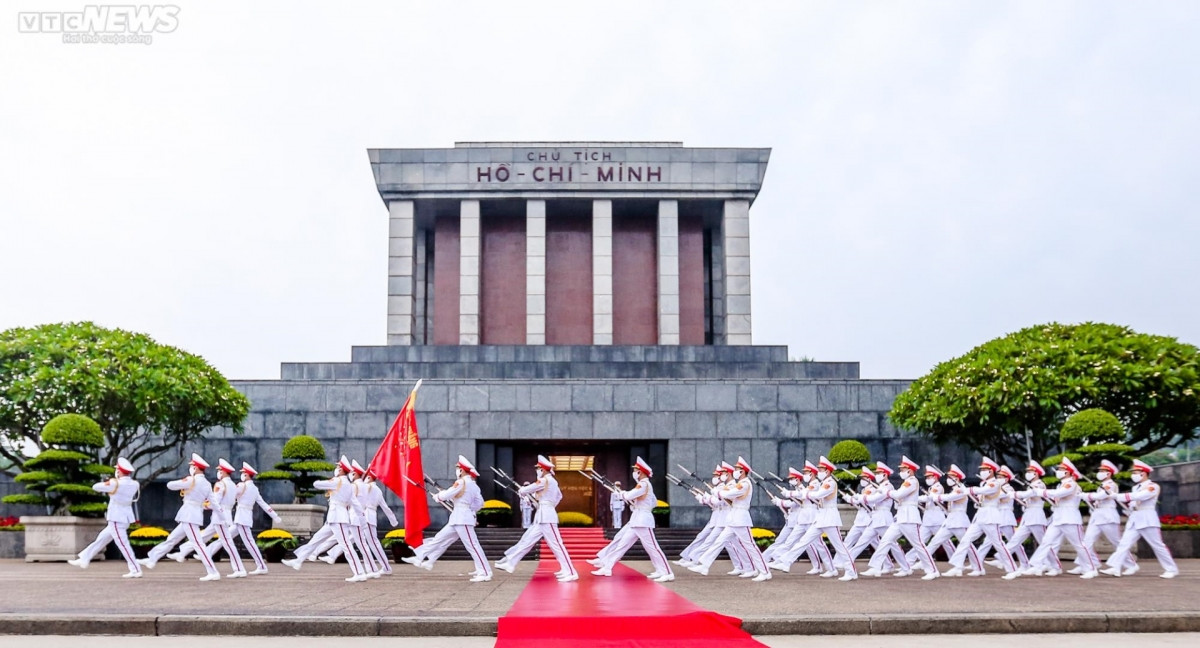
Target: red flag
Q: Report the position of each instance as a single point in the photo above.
(397, 464)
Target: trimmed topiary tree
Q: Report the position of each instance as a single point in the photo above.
(61, 476)
(1091, 436)
(303, 463)
(850, 453)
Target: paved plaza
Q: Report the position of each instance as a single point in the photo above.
(56, 598)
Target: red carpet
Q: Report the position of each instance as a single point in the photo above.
(626, 610)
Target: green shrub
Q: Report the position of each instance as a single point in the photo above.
(850, 452)
(303, 463)
(1053, 460)
(1091, 426)
(61, 476)
(73, 429)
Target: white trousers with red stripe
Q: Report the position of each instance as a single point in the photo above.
(912, 533)
(1153, 537)
(942, 539)
(689, 552)
(740, 535)
(114, 532)
(1112, 533)
(966, 545)
(624, 540)
(789, 550)
(433, 548)
(343, 534)
(1055, 534)
(553, 539)
(185, 530)
(1016, 544)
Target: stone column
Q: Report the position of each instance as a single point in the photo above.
(535, 272)
(420, 316)
(602, 272)
(736, 248)
(668, 272)
(469, 265)
(401, 268)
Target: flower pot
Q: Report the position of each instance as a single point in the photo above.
(274, 553)
(141, 551)
(54, 538)
(401, 550)
(300, 519)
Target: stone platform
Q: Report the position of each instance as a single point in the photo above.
(59, 599)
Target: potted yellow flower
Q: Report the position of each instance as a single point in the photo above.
(394, 542)
(143, 538)
(275, 544)
(662, 514)
(495, 513)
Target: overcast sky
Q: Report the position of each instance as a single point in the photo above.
(941, 173)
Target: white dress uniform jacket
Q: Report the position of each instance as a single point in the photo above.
(121, 493)
(247, 497)
(738, 494)
(956, 507)
(881, 505)
(1007, 499)
(1065, 503)
(987, 511)
(934, 515)
(826, 498)
(341, 498)
(1104, 504)
(641, 504)
(225, 493)
(196, 491)
(1035, 507)
(907, 509)
(549, 496)
(467, 500)
(372, 500)
(1143, 500)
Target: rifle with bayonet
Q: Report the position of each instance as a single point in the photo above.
(680, 483)
(600, 479)
(696, 477)
(445, 505)
(511, 484)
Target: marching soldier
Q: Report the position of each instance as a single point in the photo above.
(956, 523)
(791, 515)
(789, 550)
(641, 526)
(689, 552)
(1033, 516)
(737, 529)
(720, 519)
(986, 523)
(196, 492)
(546, 524)
(340, 490)
(908, 522)
(122, 492)
(226, 493)
(1065, 523)
(1105, 519)
(616, 504)
(828, 522)
(877, 501)
(934, 515)
(248, 497)
(1008, 520)
(1143, 522)
(371, 497)
(464, 494)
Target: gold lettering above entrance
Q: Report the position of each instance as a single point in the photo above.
(570, 172)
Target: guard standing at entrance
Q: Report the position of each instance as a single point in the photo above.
(616, 504)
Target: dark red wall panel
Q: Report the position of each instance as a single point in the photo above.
(568, 274)
(635, 273)
(445, 279)
(691, 279)
(502, 289)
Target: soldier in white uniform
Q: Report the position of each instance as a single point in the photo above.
(791, 510)
(986, 523)
(466, 499)
(372, 500)
(1065, 523)
(526, 504)
(226, 492)
(739, 494)
(1008, 520)
(340, 491)
(1143, 523)
(720, 519)
(828, 521)
(957, 522)
(642, 501)
(686, 556)
(196, 492)
(546, 524)
(878, 502)
(616, 504)
(243, 519)
(789, 548)
(1105, 519)
(122, 491)
(1033, 516)
(933, 515)
(907, 525)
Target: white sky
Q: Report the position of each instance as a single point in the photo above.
(942, 172)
